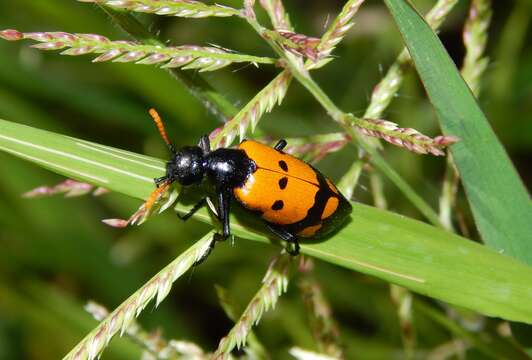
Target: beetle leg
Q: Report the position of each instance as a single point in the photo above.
(160, 180)
(192, 211)
(205, 144)
(288, 237)
(223, 214)
(280, 145)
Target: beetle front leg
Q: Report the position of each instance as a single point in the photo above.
(160, 180)
(192, 211)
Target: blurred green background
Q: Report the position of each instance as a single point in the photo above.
(55, 254)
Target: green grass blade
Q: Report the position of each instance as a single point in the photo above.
(500, 203)
(114, 169)
(397, 249)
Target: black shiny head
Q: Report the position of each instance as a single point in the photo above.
(187, 166)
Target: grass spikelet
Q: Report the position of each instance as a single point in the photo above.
(301, 354)
(154, 344)
(133, 330)
(475, 40)
(254, 348)
(297, 44)
(157, 287)
(408, 138)
(274, 284)
(278, 16)
(159, 204)
(314, 148)
(185, 56)
(339, 27)
(248, 8)
(438, 13)
(250, 114)
(69, 187)
(179, 8)
(185, 349)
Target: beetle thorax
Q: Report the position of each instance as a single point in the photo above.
(228, 168)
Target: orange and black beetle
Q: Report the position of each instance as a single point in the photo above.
(293, 198)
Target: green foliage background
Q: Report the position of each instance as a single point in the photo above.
(55, 252)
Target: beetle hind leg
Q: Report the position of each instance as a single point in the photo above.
(292, 246)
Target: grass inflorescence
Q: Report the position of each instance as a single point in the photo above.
(186, 56)
(180, 8)
(156, 289)
(274, 284)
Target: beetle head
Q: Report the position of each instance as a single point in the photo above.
(187, 166)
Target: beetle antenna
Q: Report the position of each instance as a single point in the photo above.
(160, 126)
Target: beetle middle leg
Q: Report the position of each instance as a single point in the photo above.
(223, 216)
(288, 237)
(224, 199)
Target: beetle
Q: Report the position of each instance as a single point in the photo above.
(293, 198)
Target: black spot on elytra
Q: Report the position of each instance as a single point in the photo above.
(278, 205)
(283, 182)
(283, 165)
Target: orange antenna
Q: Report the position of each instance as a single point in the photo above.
(160, 126)
(154, 196)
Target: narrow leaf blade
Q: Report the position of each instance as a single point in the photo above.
(110, 168)
(397, 249)
(500, 203)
